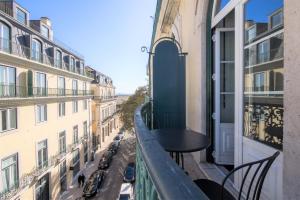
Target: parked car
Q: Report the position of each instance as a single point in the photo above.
(129, 173)
(93, 184)
(113, 147)
(117, 140)
(121, 135)
(105, 160)
(126, 192)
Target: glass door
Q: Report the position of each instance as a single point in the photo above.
(224, 96)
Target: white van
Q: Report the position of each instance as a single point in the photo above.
(126, 192)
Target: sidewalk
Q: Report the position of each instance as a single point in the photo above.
(74, 192)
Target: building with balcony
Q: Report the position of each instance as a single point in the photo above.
(226, 69)
(45, 114)
(106, 121)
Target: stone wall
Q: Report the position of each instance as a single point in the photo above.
(291, 145)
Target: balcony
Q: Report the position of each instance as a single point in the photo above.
(14, 91)
(29, 179)
(158, 176)
(22, 51)
(103, 99)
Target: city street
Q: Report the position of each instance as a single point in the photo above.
(114, 174)
(114, 177)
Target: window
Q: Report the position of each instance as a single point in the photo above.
(263, 52)
(41, 113)
(72, 64)
(7, 81)
(21, 16)
(85, 104)
(58, 57)
(8, 118)
(4, 37)
(85, 129)
(40, 83)
(10, 173)
(62, 109)
(62, 142)
(75, 87)
(36, 50)
(75, 135)
(45, 31)
(277, 19)
(75, 106)
(85, 152)
(61, 86)
(259, 81)
(251, 33)
(84, 88)
(263, 82)
(42, 154)
(63, 176)
(76, 162)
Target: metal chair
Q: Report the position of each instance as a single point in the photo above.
(215, 191)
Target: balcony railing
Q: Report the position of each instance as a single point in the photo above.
(6, 6)
(104, 98)
(13, 91)
(23, 51)
(256, 58)
(157, 175)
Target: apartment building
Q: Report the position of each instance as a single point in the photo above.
(45, 114)
(228, 69)
(106, 122)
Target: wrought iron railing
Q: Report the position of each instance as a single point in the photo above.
(157, 175)
(104, 98)
(13, 91)
(31, 177)
(23, 51)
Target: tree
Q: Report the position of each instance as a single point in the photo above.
(128, 107)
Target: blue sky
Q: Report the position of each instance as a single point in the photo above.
(109, 33)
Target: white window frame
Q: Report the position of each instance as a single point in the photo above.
(18, 9)
(38, 113)
(38, 52)
(8, 119)
(58, 59)
(17, 167)
(75, 106)
(64, 145)
(280, 11)
(37, 154)
(61, 112)
(43, 29)
(75, 87)
(61, 90)
(75, 139)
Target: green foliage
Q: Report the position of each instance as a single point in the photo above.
(128, 107)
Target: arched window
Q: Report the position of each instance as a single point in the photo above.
(36, 50)
(5, 37)
(58, 59)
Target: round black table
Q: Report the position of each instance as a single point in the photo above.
(181, 141)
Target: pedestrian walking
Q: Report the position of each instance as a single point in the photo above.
(82, 179)
(79, 179)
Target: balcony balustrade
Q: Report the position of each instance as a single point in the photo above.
(10, 47)
(157, 175)
(14, 91)
(104, 98)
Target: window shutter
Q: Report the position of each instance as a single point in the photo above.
(29, 82)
